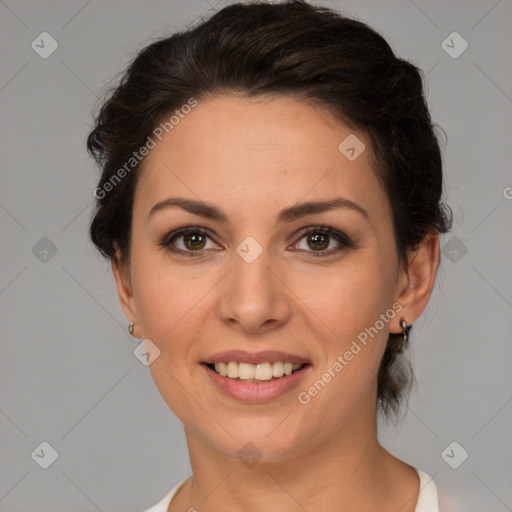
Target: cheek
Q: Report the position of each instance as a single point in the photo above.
(171, 315)
(169, 305)
(345, 380)
(348, 299)
(354, 333)
(161, 299)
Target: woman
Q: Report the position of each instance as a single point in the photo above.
(270, 201)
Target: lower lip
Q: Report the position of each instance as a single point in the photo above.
(255, 392)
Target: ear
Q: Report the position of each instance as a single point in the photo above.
(417, 281)
(124, 291)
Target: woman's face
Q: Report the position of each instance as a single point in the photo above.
(264, 277)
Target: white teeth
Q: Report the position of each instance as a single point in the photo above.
(261, 371)
(232, 371)
(222, 369)
(278, 369)
(246, 371)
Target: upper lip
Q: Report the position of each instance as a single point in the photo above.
(265, 356)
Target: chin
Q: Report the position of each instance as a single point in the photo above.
(266, 440)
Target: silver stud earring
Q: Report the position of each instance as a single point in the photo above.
(405, 333)
(130, 328)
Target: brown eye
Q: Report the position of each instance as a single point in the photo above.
(323, 241)
(318, 241)
(189, 241)
(194, 241)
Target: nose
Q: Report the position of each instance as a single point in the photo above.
(253, 297)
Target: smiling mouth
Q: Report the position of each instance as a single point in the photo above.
(262, 372)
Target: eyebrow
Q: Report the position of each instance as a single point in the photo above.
(289, 214)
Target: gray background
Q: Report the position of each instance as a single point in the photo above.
(68, 375)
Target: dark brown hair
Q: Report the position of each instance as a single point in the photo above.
(289, 49)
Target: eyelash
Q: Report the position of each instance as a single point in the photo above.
(344, 241)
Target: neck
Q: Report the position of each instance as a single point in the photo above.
(350, 472)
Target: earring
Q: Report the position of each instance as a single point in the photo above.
(405, 334)
(130, 328)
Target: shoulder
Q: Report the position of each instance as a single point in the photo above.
(163, 504)
(432, 499)
(448, 503)
(427, 498)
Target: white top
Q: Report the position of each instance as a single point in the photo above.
(427, 499)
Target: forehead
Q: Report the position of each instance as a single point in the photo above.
(254, 154)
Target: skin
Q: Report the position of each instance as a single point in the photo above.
(253, 158)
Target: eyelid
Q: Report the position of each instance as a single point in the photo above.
(321, 229)
(170, 237)
(344, 240)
